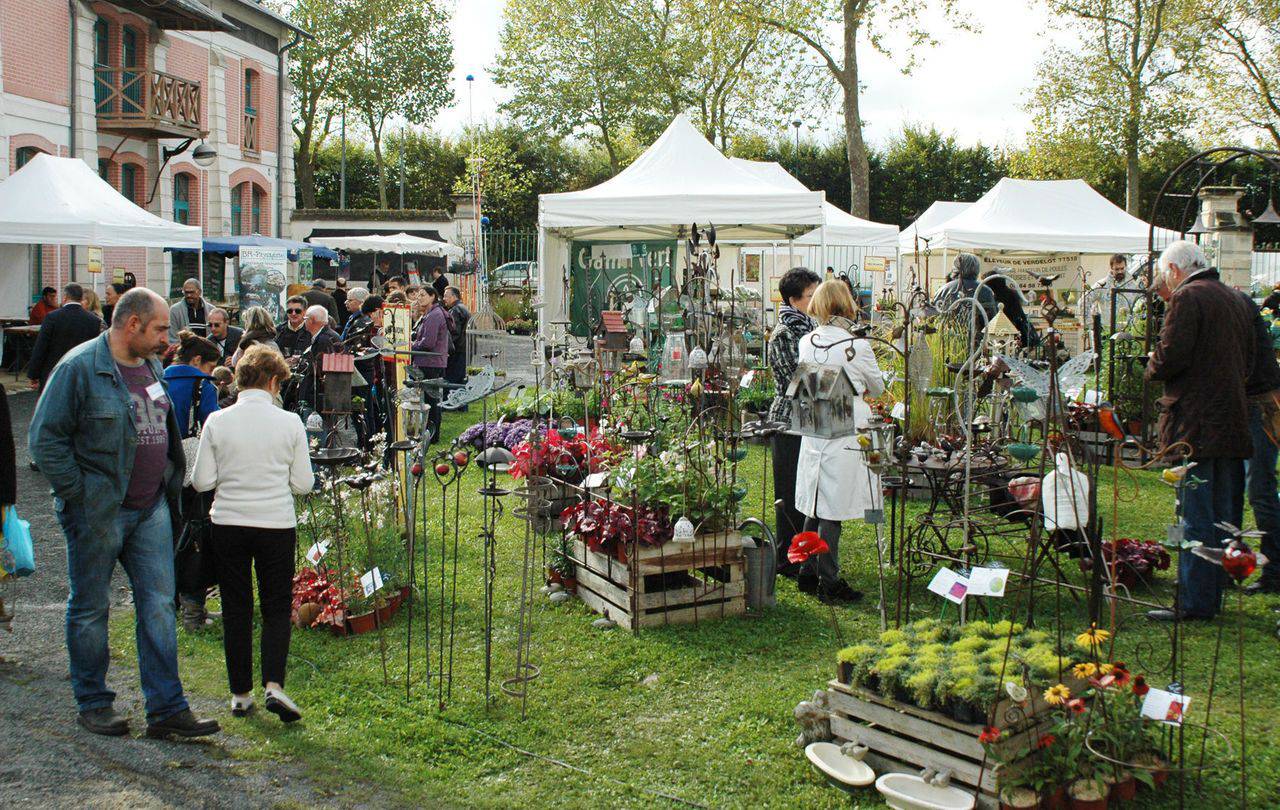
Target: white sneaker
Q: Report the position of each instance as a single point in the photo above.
(279, 704)
(241, 706)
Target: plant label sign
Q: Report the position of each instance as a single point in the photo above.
(988, 581)
(899, 411)
(949, 585)
(595, 480)
(1166, 707)
(371, 581)
(747, 377)
(317, 551)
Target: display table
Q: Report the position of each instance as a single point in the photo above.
(24, 339)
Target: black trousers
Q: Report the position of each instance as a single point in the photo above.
(433, 419)
(270, 553)
(788, 521)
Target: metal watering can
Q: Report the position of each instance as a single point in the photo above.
(760, 550)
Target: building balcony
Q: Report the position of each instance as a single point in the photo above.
(146, 104)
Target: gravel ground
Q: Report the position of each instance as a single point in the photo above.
(46, 760)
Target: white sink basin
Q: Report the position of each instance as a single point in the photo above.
(843, 771)
(906, 792)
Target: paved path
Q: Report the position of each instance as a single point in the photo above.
(46, 760)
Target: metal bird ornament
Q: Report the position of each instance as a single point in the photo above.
(1237, 559)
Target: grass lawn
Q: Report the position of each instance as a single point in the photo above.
(700, 713)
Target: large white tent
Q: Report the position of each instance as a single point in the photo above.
(1043, 216)
(936, 214)
(680, 180)
(399, 243)
(61, 201)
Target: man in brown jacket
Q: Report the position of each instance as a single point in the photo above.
(1204, 358)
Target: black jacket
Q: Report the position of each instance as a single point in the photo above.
(62, 330)
(292, 343)
(1264, 376)
(8, 457)
(316, 296)
(228, 347)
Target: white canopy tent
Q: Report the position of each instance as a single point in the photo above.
(680, 180)
(399, 243)
(62, 201)
(934, 215)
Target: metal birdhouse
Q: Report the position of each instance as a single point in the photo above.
(822, 399)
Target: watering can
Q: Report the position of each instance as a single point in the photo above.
(760, 550)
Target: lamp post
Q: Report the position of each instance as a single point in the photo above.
(796, 152)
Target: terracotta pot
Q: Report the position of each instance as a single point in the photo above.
(1018, 799)
(1088, 804)
(368, 622)
(1055, 799)
(570, 584)
(1125, 789)
(1159, 777)
(553, 576)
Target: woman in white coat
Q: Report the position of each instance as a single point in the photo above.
(833, 483)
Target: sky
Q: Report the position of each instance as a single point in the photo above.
(971, 85)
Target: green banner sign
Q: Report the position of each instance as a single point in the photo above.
(608, 275)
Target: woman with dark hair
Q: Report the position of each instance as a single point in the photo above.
(193, 396)
(795, 288)
(432, 337)
(1009, 298)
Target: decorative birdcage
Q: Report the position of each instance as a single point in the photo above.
(822, 401)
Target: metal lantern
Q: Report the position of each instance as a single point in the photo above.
(683, 531)
(878, 435)
(583, 367)
(697, 359)
(822, 401)
(729, 353)
(675, 359)
(637, 345)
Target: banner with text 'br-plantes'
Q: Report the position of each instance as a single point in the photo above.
(608, 275)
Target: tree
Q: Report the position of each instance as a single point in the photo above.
(1122, 87)
(399, 66)
(1240, 77)
(570, 67)
(313, 66)
(809, 21)
(918, 167)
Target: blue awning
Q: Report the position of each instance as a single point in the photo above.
(230, 246)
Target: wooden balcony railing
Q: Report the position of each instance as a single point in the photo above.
(146, 103)
(249, 132)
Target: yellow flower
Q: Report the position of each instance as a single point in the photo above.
(1105, 669)
(1084, 670)
(1092, 638)
(1057, 695)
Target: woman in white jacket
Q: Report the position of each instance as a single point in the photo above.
(255, 457)
(833, 483)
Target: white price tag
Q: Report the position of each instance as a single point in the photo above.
(595, 480)
(1167, 707)
(156, 391)
(371, 581)
(988, 581)
(899, 410)
(317, 551)
(949, 585)
(748, 377)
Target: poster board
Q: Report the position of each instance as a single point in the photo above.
(94, 260)
(1066, 287)
(599, 270)
(261, 277)
(306, 264)
(397, 325)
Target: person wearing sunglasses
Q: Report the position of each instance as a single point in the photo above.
(291, 336)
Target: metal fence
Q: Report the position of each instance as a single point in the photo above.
(505, 246)
(1266, 268)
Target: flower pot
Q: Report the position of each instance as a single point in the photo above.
(844, 672)
(1125, 788)
(1087, 795)
(553, 576)
(1054, 798)
(570, 584)
(1018, 799)
(368, 622)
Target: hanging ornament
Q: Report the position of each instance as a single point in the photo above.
(683, 531)
(637, 345)
(698, 359)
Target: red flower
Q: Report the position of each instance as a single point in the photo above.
(1045, 741)
(1140, 687)
(989, 734)
(804, 545)
(1076, 705)
(1120, 674)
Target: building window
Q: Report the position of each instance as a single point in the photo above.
(237, 224)
(23, 156)
(249, 122)
(258, 199)
(102, 62)
(104, 169)
(131, 81)
(182, 198)
(129, 182)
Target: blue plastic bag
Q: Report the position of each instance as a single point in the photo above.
(19, 559)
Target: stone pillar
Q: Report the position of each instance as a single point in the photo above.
(85, 122)
(286, 182)
(218, 202)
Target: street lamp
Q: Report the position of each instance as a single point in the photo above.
(796, 151)
(204, 156)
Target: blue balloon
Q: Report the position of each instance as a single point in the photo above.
(470, 78)
(484, 222)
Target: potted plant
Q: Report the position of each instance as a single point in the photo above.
(854, 663)
(1087, 793)
(1133, 561)
(561, 569)
(1018, 798)
(1156, 765)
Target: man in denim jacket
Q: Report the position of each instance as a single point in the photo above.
(105, 436)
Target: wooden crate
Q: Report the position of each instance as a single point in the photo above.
(907, 739)
(673, 584)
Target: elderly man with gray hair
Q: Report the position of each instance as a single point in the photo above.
(192, 312)
(1204, 357)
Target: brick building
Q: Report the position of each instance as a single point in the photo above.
(124, 86)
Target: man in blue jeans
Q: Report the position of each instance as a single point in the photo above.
(1205, 358)
(105, 436)
(1260, 469)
